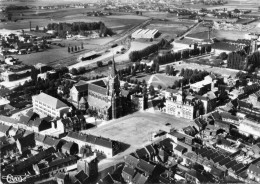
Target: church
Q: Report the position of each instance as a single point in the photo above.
(105, 96)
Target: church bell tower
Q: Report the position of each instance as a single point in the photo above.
(113, 90)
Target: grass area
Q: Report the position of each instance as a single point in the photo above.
(220, 71)
(157, 79)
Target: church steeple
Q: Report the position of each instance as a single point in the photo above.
(113, 69)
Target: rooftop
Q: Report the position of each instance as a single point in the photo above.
(50, 101)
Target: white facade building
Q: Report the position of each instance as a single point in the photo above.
(145, 33)
(47, 105)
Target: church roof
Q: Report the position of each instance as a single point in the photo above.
(98, 86)
(95, 102)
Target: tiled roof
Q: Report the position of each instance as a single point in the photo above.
(8, 120)
(61, 161)
(49, 100)
(146, 166)
(131, 160)
(100, 104)
(67, 145)
(140, 179)
(81, 86)
(129, 171)
(216, 115)
(4, 128)
(101, 141)
(51, 141)
(230, 164)
(98, 86)
(151, 149)
(141, 153)
(228, 116)
(34, 159)
(81, 176)
(179, 148)
(39, 137)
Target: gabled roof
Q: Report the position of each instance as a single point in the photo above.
(230, 164)
(4, 128)
(49, 100)
(106, 180)
(67, 146)
(228, 116)
(81, 176)
(150, 149)
(146, 166)
(39, 137)
(98, 86)
(140, 179)
(81, 86)
(216, 115)
(8, 120)
(141, 153)
(179, 148)
(131, 160)
(61, 161)
(51, 141)
(129, 171)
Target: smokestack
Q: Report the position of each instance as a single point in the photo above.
(30, 25)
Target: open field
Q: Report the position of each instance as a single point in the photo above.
(135, 45)
(157, 79)
(135, 129)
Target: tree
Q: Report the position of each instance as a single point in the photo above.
(208, 48)
(167, 69)
(72, 49)
(82, 47)
(151, 90)
(146, 70)
(74, 71)
(133, 72)
(68, 49)
(157, 68)
(82, 70)
(99, 64)
(171, 72)
(37, 28)
(159, 86)
(223, 55)
(76, 48)
(126, 85)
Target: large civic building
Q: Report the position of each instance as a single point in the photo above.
(105, 96)
(177, 106)
(46, 105)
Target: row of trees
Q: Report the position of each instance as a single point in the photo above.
(138, 55)
(79, 27)
(80, 70)
(253, 62)
(236, 60)
(185, 54)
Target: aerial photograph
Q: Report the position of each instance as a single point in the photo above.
(129, 91)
